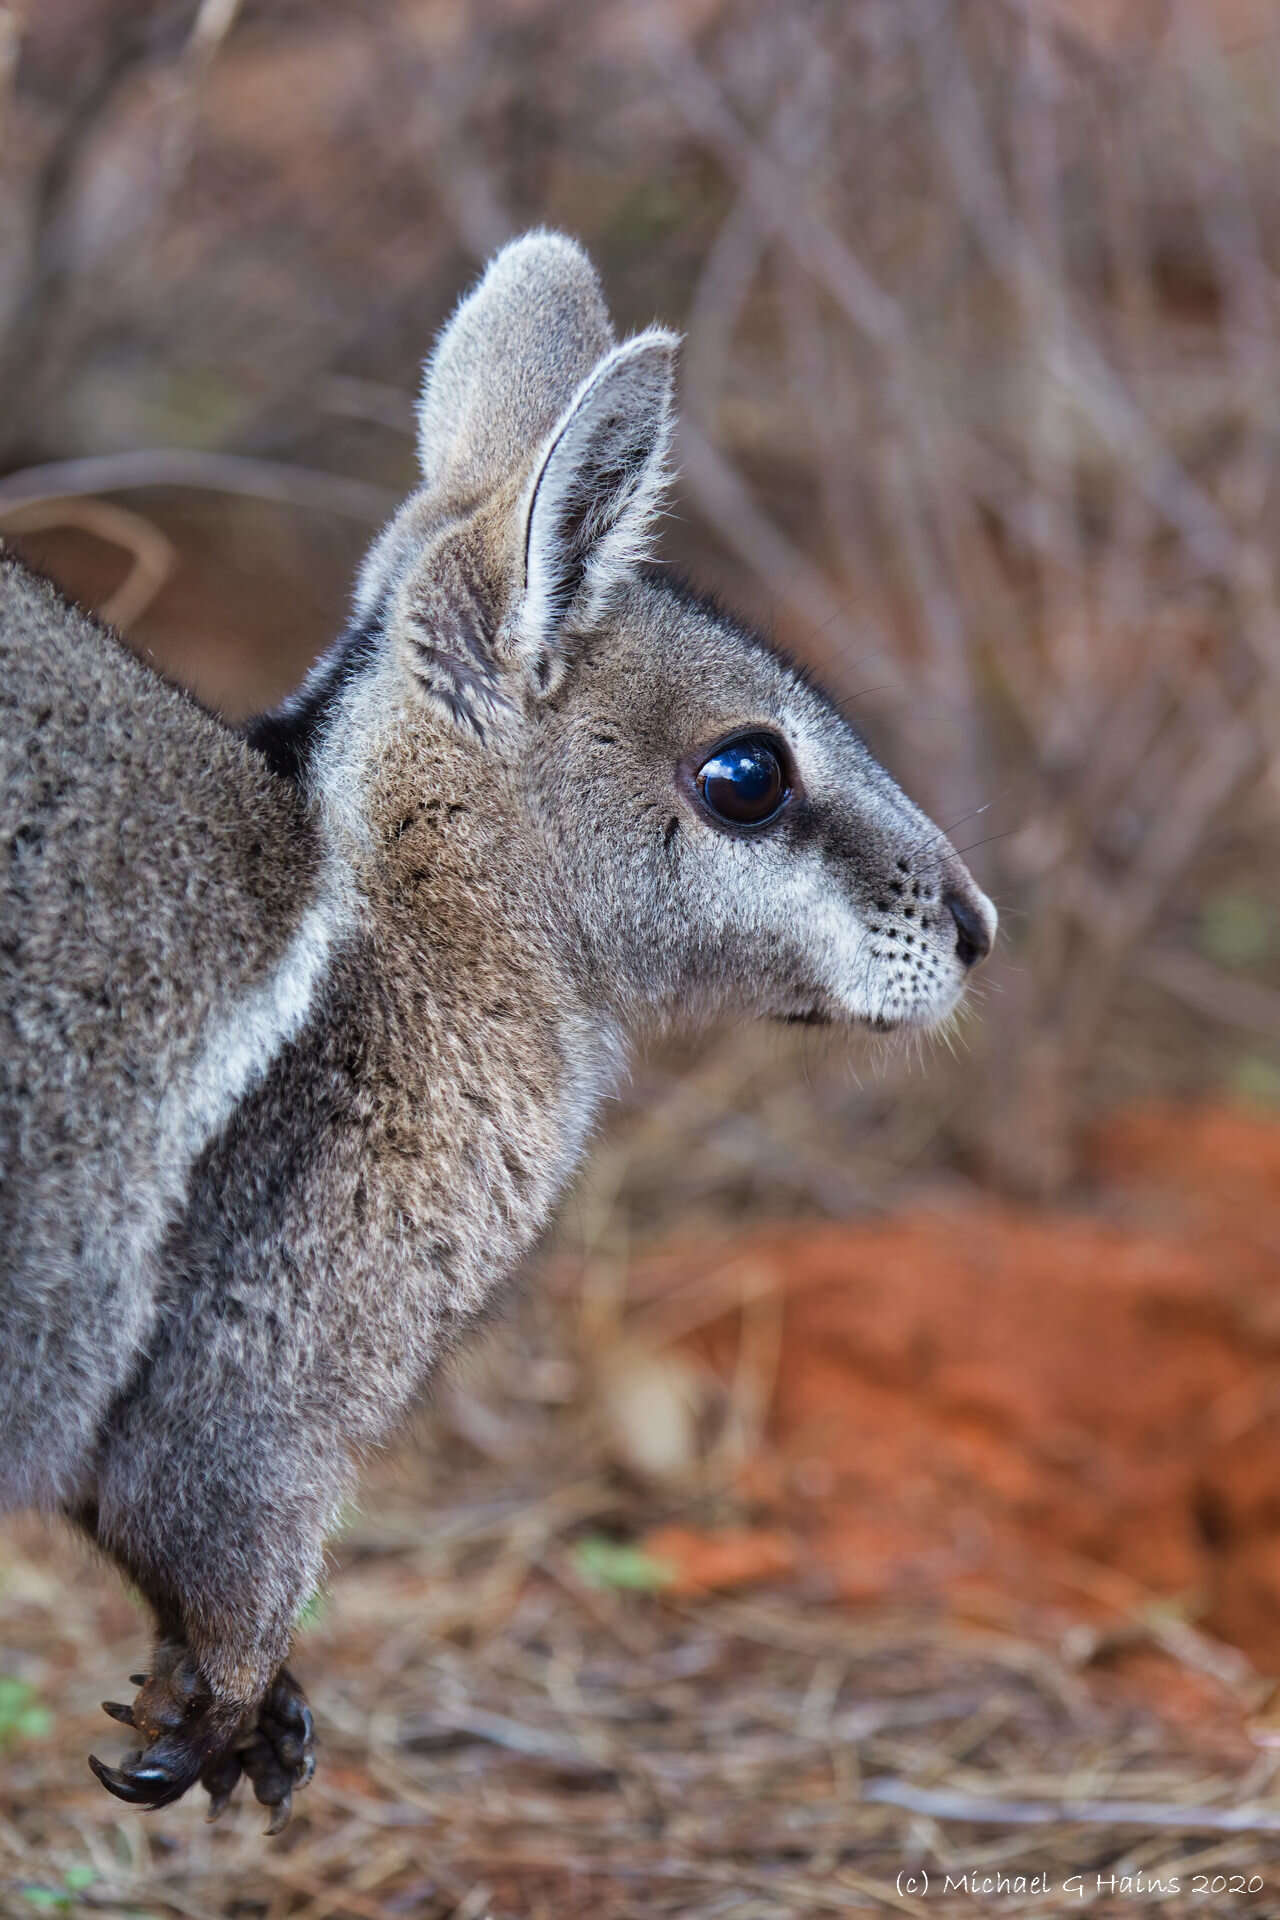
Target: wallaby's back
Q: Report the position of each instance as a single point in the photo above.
(154, 876)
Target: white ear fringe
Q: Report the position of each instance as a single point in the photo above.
(593, 504)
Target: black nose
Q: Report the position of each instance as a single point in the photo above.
(973, 936)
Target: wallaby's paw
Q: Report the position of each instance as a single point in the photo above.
(174, 1712)
(188, 1740)
(277, 1754)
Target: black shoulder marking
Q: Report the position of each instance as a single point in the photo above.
(287, 735)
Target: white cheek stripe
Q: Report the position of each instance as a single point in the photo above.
(867, 985)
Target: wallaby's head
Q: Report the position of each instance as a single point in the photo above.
(713, 830)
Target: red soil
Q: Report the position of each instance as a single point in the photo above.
(1016, 1412)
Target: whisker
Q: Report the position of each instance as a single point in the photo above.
(951, 825)
(844, 700)
(974, 844)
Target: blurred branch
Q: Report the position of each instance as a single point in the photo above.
(1211, 991)
(753, 535)
(977, 1810)
(1232, 753)
(826, 255)
(375, 401)
(1061, 536)
(154, 557)
(1073, 357)
(231, 473)
(720, 296)
(11, 24)
(213, 22)
(90, 102)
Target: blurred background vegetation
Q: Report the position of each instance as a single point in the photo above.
(981, 408)
(981, 416)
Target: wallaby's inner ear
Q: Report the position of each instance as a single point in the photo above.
(595, 495)
(507, 365)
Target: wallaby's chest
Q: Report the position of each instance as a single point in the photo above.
(402, 1155)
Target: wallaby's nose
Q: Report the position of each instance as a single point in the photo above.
(975, 926)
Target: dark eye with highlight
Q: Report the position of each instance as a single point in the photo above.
(744, 783)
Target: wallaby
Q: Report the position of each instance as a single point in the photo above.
(306, 1026)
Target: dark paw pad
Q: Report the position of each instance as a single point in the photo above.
(276, 1754)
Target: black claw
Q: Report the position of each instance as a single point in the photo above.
(218, 1804)
(119, 1712)
(151, 1776)
(122, 1785)
(146, 1783)
(220, 1778)
(139, 1679)
(280, 1817)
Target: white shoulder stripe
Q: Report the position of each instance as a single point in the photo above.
(247, 1037)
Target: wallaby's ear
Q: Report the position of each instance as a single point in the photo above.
(507, 365)
(543, 447)
(591, 505)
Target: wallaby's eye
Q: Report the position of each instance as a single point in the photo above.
(743, 783)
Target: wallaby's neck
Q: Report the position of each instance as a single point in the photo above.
(417, 813)
(473, 981)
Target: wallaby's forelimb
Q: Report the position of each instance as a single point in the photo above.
(216, 1703)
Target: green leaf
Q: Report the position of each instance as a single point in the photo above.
(610, 1563)
(21, 1716)
(1256, 1081)
(1237, 928)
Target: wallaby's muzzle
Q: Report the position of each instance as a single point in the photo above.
(975, 919)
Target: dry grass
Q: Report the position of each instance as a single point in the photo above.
(501, 1735)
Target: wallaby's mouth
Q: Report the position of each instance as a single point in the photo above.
(819, 1016)
(815, 1017)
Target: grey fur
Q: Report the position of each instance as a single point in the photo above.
(306, 1032)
